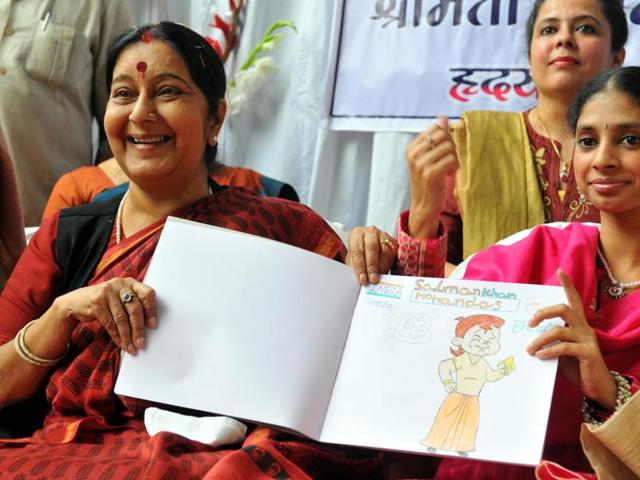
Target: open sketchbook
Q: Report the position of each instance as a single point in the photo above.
(259, 330)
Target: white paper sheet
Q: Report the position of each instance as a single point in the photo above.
(229, 341)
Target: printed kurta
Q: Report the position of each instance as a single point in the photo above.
(415, 255)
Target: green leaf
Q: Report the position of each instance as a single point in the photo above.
(269, 41)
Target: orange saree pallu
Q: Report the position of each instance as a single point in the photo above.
(92, 433)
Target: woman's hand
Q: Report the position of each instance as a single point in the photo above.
(371, 252)
(123, 306)
(431, 156)
(581, 361)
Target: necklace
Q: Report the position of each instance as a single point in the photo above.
(119, 216)
(564, 164)
(616, 289)
(119, 219)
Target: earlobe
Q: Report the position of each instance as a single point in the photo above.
(214, 130)
(618, 58)
(216, 123)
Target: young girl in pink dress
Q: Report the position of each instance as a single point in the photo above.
(599, 347)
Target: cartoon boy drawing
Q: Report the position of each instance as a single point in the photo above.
(463, 376)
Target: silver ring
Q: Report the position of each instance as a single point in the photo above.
(126, 297)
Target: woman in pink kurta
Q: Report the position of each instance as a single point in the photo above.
(616, 324)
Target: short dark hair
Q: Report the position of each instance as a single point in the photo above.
(625, 80)
(611, 9)
(204, 64)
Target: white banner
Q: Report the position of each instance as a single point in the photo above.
(398, 64)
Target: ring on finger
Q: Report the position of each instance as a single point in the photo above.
(385, 242)
(429, 141)
(127, 297)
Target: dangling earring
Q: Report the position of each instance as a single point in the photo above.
(214, 142)
(579, 207)
(582, 198)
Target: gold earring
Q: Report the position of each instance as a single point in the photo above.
(582, 198)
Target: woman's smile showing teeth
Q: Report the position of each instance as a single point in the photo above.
(160, 124)
(147, 140)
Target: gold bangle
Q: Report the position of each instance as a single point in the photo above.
(27, 355)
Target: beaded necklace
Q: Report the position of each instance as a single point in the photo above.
(119, 219)
(616, 289)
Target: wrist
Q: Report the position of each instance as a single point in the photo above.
(40, 342)
(604, 391)
(61, 316)
(423, 224)
(596, 411)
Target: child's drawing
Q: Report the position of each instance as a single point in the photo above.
(463, 376)
(410, 325)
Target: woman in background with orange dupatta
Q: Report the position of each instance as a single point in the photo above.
(75, 299)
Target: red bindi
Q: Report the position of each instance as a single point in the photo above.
(147, 37)
(141, 67)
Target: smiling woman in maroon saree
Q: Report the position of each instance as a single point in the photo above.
(76, 298)
(93, 433)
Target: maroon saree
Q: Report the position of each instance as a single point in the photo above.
(91, 432)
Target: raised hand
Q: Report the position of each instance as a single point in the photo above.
(581, 360)
(431, 157)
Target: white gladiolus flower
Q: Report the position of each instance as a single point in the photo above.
(265, 65)
(247, 82)
(254, 72)
(236, 101)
